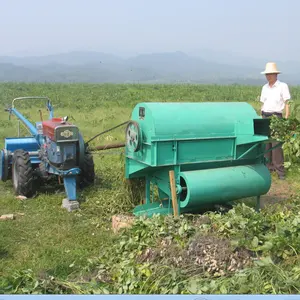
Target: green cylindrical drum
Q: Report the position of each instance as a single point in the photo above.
(218, 186)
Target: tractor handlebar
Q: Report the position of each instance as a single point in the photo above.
(49, 106)
(13, 110)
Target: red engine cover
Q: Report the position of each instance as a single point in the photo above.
(50, 125)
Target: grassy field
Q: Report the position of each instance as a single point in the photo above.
(48, 250)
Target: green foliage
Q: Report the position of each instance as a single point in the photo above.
(165, 255)
(287, 132)
(152, 256)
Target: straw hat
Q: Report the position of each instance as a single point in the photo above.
(271, 68)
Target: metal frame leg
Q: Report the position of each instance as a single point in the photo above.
(70, 203)
(258, 203)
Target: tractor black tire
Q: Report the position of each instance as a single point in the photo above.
(22, 173)
(87, 176)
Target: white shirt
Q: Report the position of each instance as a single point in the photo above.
(274, 98)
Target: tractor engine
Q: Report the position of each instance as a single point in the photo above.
(60, 144)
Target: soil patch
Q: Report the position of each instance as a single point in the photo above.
(216, 255)
(280, 191)
(203, 254)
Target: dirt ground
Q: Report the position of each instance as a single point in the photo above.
(280, 190)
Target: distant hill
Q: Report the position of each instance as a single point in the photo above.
(169, 67)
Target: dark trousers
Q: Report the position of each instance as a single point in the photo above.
(275, 157)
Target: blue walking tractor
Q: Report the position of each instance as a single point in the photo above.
(55, 149)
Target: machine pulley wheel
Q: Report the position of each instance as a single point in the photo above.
(133, 136)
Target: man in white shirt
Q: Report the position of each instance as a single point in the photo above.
(274, 96)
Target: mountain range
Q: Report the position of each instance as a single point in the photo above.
(200, 66)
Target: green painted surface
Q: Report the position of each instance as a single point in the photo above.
(179, 133)
(150, 209)
(221, 185)
(190, 119)
(197, 141)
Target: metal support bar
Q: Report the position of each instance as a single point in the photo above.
(18, 128)
(258, 203)
(173, 193)
(48, 105)
(63, 173)
(269, 150)
(31, 153)
(249, 150)
(70, 187)
(30, 126)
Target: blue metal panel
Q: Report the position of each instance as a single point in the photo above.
(25, 143)
(61, 153)
(70, 187)
(73, 171)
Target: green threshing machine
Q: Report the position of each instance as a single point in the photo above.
(196, 154)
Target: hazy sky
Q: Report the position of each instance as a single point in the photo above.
(253, 28)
